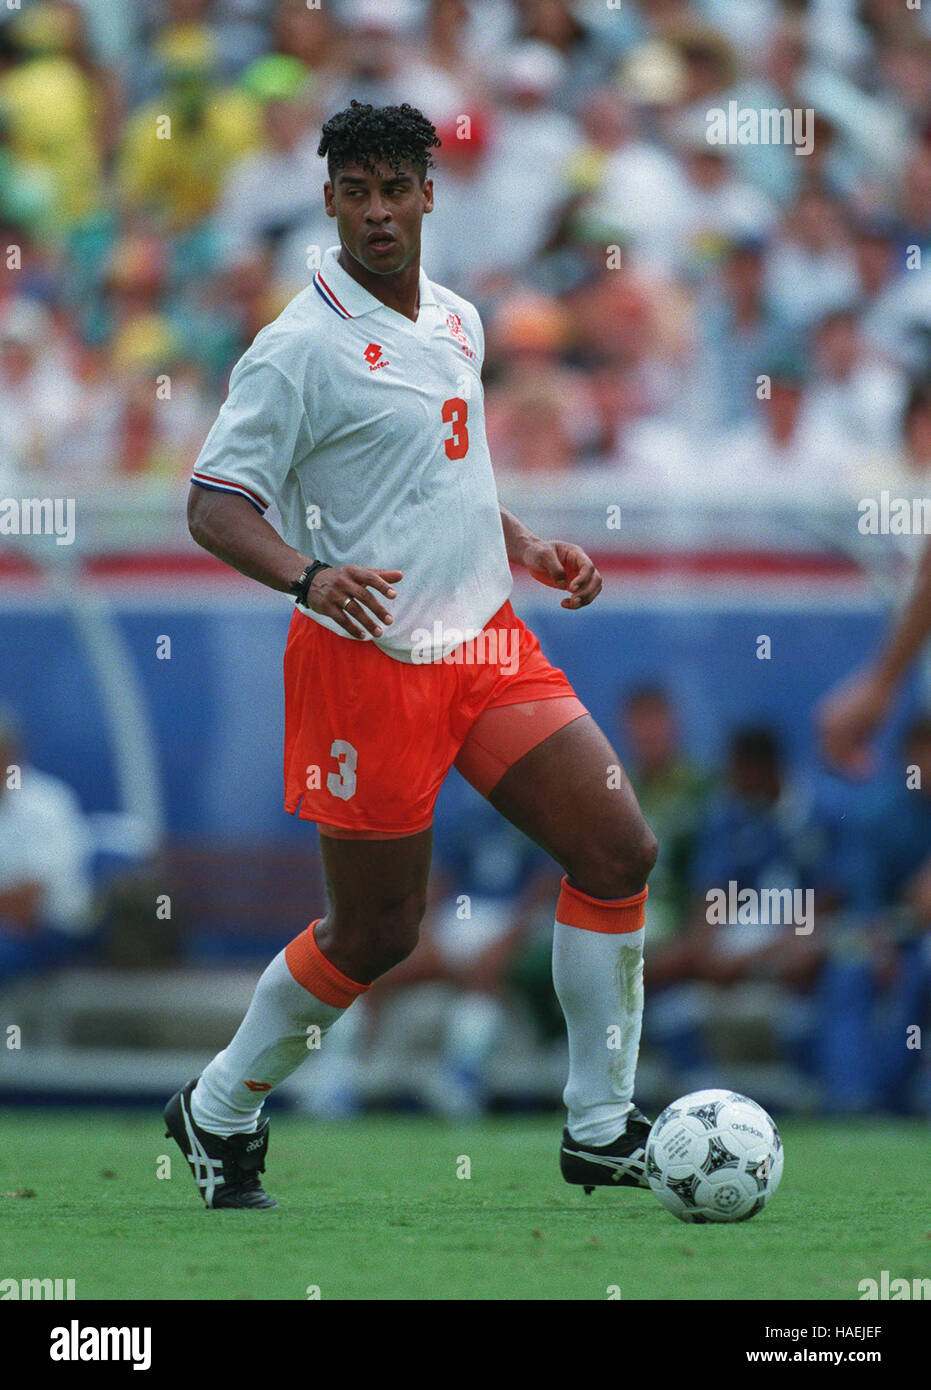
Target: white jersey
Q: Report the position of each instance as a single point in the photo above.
(368, 432)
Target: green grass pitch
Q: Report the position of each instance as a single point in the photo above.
(374, 1209)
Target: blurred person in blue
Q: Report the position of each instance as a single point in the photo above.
(737, 330)
(874, 990)
(897, 320)
(894, 321)
(45, 865)
(810, 266)
(763, 831)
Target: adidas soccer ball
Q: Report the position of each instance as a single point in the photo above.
(714, 1156)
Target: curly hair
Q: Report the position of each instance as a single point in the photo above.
(367, 135)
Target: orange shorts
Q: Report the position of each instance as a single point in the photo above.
(369, 740)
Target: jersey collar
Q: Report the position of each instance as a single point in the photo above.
(351, 299)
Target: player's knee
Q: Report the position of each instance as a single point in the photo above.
(385, 934)
(616, 866)
(393, 943)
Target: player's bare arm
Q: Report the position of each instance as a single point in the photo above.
(231, 529)
(559, 564)
(852, 713)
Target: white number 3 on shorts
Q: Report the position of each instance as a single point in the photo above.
(343, 782)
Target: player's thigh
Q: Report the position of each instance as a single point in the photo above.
(570, 795)
(370, 881)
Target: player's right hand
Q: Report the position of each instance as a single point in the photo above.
(332, 587)
(848, 719)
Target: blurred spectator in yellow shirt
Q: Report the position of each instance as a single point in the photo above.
(179, 147)
(57, 102)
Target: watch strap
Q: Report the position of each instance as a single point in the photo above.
(301, 587)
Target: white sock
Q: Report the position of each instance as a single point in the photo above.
(598, 977)
(271, 1042)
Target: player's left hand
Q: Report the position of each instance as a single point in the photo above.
(564, 566)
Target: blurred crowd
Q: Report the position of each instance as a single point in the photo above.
(672, 310)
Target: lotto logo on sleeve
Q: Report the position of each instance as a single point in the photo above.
(374, 358)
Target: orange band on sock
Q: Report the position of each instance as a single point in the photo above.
(616, 915)
(310, 968)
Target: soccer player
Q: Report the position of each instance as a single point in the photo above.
(359, 413)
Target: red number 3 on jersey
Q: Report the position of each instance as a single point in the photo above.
(456, 413)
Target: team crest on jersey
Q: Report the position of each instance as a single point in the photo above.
(454, 324)
(374, 358)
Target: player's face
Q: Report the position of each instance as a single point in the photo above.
(379, 214)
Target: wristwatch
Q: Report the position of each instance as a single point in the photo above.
(301, 587)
